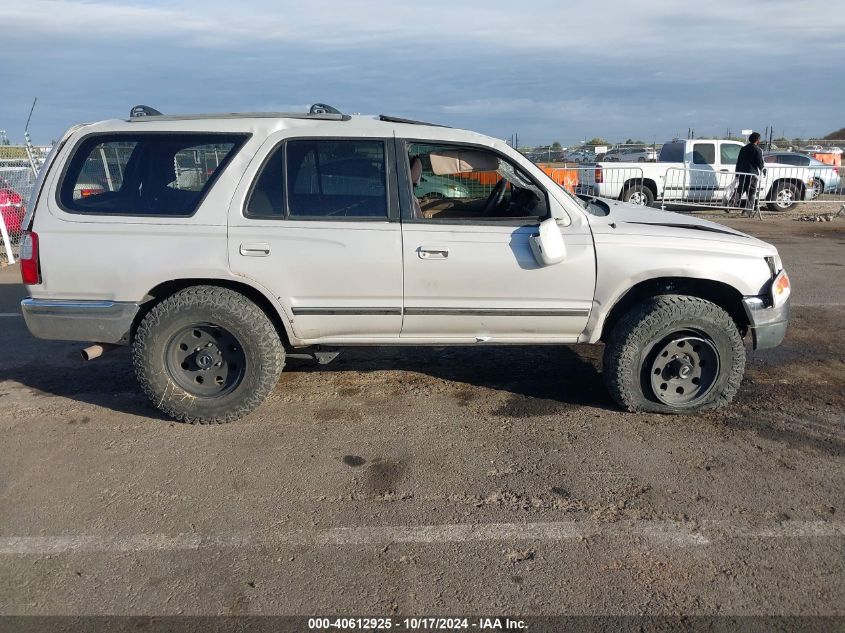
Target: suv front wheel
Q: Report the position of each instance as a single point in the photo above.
(674, 354)
(207, 355)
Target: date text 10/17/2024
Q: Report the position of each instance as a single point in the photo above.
(417, 624)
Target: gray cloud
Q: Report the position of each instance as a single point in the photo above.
(544, 69)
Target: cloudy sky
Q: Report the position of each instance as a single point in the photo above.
(546, 69)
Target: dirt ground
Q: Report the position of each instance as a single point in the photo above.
(433, 481)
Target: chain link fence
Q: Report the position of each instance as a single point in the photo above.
(18, 171)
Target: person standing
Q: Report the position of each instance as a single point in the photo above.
(749, 167)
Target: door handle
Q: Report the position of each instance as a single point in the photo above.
(255, 249)
(433, 252)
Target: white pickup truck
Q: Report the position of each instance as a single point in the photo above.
(696, 171)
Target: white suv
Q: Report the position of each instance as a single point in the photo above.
(215, 245)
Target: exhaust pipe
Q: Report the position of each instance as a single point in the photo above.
(97, 350)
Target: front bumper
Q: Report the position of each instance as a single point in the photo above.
(94, 321)
(767, 324)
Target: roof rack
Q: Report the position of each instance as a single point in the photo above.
(142, 110)
(318, 111)
(396, 119)
(322, 108)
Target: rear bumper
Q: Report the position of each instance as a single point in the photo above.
(95, 321)
(767, 324)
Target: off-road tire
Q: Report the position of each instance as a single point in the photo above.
(262, 349)
(627, 353)
(645, 192)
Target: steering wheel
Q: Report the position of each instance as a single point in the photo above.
(495, 198)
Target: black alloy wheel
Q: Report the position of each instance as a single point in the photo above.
(683, 368)
(205, 360)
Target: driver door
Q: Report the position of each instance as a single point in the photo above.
(469, 272)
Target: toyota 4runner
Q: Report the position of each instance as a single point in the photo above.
(215, 245)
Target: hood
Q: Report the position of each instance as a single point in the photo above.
(635, 219)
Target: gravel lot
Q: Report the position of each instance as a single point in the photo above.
(433, 481)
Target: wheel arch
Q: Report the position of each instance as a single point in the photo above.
(168, 288)
(796, 182)
(718, 292)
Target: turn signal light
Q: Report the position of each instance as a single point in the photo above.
(599, 175)
(780, 289)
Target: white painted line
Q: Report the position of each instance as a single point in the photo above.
(664, 533)
(62, 544)
(10, 314)
(796, 529)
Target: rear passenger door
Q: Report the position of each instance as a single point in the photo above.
(316, 222)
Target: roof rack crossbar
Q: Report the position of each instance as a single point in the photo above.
(396, 119)
(319, 111)
(242, 115)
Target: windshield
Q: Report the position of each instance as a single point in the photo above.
(594, 206)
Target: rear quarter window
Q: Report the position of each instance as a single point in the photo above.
(145, 174)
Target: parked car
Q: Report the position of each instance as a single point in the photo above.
(630, 154)
(274, 256)
(644, 155)
(579, 156)
(825, 177)
(12, 208)
(697, 171)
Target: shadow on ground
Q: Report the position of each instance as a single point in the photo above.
(541, 380)
(555, 374)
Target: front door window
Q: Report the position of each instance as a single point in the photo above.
(466, 184)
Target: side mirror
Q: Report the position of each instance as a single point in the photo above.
(548, 245)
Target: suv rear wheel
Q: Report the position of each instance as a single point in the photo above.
(674, 354)
(207, 355)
